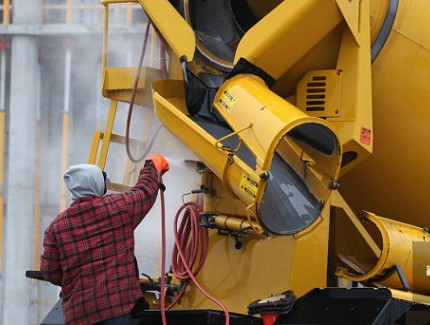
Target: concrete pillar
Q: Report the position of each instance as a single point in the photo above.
(20, 181)
(20, 167)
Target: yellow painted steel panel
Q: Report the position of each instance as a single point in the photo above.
(261, 268)
(275, 44)
(173, 28)
(120, 78)
(118, 84)
(394, 181)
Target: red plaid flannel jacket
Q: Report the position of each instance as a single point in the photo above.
(89, 251)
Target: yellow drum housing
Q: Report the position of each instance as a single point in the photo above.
(394, 180)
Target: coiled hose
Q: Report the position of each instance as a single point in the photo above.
(191, 247)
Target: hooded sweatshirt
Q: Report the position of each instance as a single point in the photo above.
(83, 180)
(88, 249)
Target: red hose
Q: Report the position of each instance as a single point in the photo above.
(191, 240)
(163, 254)
(191, 245)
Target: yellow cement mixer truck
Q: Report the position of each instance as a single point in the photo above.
(310, 120)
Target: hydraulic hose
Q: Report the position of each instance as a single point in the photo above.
(163, 69)
(133, 97)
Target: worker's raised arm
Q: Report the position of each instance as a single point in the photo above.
(141, 197)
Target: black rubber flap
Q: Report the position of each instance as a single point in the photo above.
(287, 206)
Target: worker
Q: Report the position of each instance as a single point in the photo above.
(88, 249)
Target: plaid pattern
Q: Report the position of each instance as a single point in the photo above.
(89, 251)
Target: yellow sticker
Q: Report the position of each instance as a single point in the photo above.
(248, 186)
(227, 99)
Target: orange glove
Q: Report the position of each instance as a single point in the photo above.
(159, 162)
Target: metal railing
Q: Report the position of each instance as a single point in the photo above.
(87, 12)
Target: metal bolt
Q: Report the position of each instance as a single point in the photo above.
(333, 185)
(264, 176)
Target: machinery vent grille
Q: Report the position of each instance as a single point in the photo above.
(316, 94)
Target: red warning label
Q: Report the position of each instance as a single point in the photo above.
(366, 136)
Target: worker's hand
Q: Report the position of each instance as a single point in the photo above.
(159, 162)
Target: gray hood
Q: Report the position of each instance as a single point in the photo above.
(83, 180)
